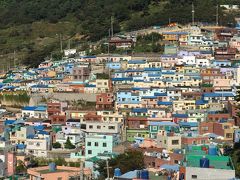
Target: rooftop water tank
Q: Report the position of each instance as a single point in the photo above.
(144, 174)
(52, 167)
(212, 150)
(117, 172)
(204, 162)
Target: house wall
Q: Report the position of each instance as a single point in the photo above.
(209, 173)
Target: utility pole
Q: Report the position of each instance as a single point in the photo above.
(61, 46)
(107, 167)
(81, 171)
(112, 21)
(69, 44)
(14, 59)
(217, 15)
(193, 13)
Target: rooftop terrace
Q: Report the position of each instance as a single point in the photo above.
(218, 161)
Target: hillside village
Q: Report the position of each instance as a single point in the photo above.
(178, 108)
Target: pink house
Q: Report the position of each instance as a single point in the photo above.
(148, 143)
(235, 43)
(11, 163)
(61, 173)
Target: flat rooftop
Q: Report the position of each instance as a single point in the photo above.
(195, 153)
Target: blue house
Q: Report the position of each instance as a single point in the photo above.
(114, 65)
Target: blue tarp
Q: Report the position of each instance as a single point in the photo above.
(170, 167)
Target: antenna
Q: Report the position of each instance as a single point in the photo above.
(109, 34)
(193, 13)
(112, 21)
(217, 15)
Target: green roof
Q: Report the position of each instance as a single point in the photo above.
(217, 162)
(93, 159)
(195, 153)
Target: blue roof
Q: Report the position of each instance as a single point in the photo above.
(180, 115)
(167, 103)
(168, 72)
(141, 110)
(138, 80)
(136, 62)
(129, 175)
(29, 108)
(41, 108)
(39, 128)
(19, 122)
(9, 122)
(201, 102)
(90, 85)
(170, 167)
(21, 146)
(188, 124)
(39, 86)
(160, 94)
(122, 79)
(30, 136)
(162, 123)
(149, 97)
(139, 88)
(133, 70)
(178, 33)
(152, 69)
(224, 94)
(46, 79)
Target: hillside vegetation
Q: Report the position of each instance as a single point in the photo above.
(33, 28)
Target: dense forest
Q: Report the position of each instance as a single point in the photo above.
(33, 27)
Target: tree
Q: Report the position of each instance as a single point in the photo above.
(129, 161)
(69, 145)
(57, 145)
(21, 168)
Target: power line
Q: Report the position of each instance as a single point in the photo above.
(193, 13)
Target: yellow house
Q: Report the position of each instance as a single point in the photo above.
(181, 105)
(175, 36)
(51, 74)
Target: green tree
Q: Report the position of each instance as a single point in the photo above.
(57, 145)
(21, 168)
(69, 145)
(129, 161)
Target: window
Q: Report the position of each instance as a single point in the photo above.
(98, 127)
(90, 126)
(194, 176)
(229, 135)
(205, 128)
(89, 151)
(59, 178)
(89, 144)
(111, 127)
(100, 99)
(104, 145)
(175, 142)
(96, 143)
(154, 127)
